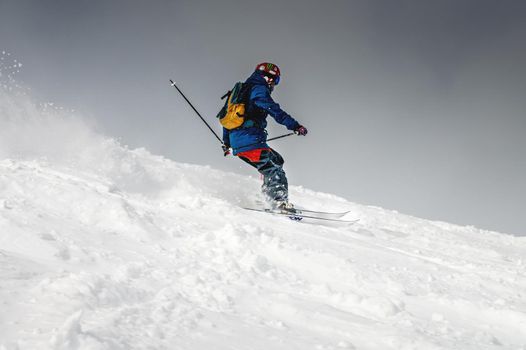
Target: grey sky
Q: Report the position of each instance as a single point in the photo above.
(417, 106)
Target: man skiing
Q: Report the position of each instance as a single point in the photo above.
(248, 141)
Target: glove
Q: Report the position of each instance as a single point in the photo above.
(301, 130)
(226, 150)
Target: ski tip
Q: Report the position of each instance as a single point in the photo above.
(342, 213)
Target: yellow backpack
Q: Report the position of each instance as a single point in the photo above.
(232, 115)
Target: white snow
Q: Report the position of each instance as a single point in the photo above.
(102, 247)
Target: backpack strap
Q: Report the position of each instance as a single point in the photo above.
(226, 95)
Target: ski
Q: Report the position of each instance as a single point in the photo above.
(297, 216)
(326, 214)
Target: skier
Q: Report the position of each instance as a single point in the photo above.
(248, 141)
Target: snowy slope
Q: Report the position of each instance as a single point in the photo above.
(102, 247)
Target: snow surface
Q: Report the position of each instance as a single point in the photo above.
(102, 247)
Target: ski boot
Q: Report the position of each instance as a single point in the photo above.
(286, 207)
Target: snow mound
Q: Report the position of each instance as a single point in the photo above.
(103, 247)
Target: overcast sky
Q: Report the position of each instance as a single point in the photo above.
(417, 106)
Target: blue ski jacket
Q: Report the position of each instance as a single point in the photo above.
(252, 134)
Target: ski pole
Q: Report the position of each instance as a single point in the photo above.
(280, 137)
(195, 110)
(271, 139)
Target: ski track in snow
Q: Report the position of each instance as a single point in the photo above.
(125, 250)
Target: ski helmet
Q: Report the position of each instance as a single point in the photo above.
(270, 70)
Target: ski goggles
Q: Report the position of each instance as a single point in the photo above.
(271, 78)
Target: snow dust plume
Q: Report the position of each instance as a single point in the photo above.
(30, 130)
(45, 132)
